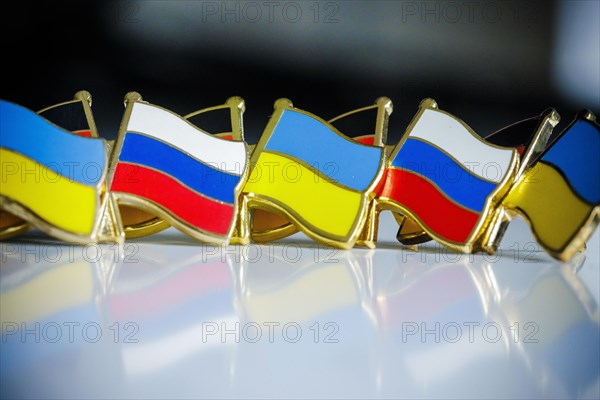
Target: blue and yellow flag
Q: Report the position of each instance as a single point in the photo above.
(73, 115)
(560, 195)
(50, 177)
(306, 170)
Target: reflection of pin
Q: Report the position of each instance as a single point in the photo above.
(50, 299)
(36, 292)
(476, 311)
(442, 175)
(307, 171)
(299, 291)
(167, 167)
(552, 319)
(54, 179)
(75, 116)
(313, 302)
(172, 298)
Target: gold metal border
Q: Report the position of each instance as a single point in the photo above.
(493, 235)
(86, 100)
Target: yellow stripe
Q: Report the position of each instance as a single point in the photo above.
(68, 205)
(321, 290)
(54, 291)
(301, 192)
(555, 213)
(551, 305)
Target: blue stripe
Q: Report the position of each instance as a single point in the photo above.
(202, 178)
(343, 160)
(74, 157)
(456, 182)
(577, 155)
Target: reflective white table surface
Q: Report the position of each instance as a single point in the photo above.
(167, 317)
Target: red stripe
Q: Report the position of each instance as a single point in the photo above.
(167, 295)
(437, 291)
(441, 215)
(380, 186)
(184, 203)
(84, 133)
(369, 140)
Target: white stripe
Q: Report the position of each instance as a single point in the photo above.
(452, 136)
(224, 155)
(143, 358)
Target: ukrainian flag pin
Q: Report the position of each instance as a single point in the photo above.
(560, 194)
(307, 172)
(367, 126)
(75, 116)
(54, 170)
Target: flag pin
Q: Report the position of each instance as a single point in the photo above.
(54, 170)
(445, 179)
(559, 194)
(366, 125)
(441, 181)
(529, 137)
(73, 115)
(307, 172)
(166, 171)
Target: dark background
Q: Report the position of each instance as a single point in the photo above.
(488, 62)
